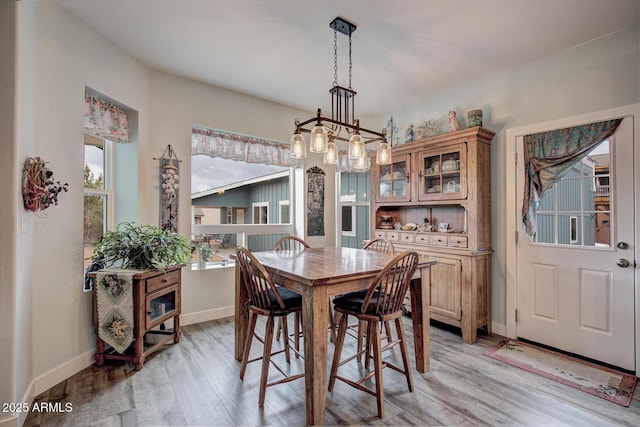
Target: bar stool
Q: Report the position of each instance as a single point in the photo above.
(382, 302)
(295, 244)
(266, 299)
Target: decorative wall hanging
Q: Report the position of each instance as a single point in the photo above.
(315, 201)
(169, 189)
(39, 189)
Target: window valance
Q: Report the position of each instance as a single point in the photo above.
(105, 120)
(235, 146)
(549, 155)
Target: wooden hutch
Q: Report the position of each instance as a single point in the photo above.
(442, 184)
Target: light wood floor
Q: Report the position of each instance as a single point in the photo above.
(196, 383)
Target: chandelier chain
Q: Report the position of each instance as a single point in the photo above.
(350, 60)
(335, 58)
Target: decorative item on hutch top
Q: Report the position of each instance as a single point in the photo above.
(169, 185)
(326, 131)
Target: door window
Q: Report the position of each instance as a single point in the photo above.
(577, 210)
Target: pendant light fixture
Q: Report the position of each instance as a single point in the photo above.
(341, 126)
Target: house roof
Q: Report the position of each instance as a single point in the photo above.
(259, 179)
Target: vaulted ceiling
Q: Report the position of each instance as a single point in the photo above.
(402, 50)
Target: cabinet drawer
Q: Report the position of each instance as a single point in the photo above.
(162, 280)
(392, 235)
(381, 234)
(423, 238)
(458, 241)
(438, 240)
(405, 237)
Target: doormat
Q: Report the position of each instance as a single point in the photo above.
(606, 383)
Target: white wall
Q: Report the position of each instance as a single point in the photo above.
(51, 334)
(594, 76)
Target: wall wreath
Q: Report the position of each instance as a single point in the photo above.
(39, 189)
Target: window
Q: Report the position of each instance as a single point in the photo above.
(98, 192)
(575, 211)
(260, 212)
(283, 212)
(348, 220)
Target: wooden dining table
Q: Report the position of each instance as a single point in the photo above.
(317, 274)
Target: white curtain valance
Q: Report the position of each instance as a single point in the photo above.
(234, 146)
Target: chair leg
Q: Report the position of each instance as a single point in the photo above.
(332, 323)
(337, 351)
(374, 332)
(266, 359)
(283, 321)
(279, 329)
(368, 343)
(297, 322)
(387, 329)
(251, 327)
(405, 353)
(361, 326)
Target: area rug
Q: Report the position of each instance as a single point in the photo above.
(606, 383)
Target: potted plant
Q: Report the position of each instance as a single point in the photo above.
(141, 247)
(204, 252)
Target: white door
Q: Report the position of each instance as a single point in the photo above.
(574, 291)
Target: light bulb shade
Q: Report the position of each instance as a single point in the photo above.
(297, 148)
(331, 155)
(356, 146)
(318, 140)
(361, 162)
(383, 154)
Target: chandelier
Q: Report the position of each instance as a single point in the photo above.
(342, 126)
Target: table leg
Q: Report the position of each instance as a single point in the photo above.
(420, 301)
(315, 318)
(241, 314)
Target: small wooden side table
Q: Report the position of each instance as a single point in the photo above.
(156, 299)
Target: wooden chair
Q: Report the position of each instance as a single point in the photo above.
(380, 245)
(291, 243)
(382, 302)
(265, 299)
(377, 245)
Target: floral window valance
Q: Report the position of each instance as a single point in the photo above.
(549, 155)
(105, 120)
(234, 146)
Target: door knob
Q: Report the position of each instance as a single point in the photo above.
(624, 263)
(622, 245)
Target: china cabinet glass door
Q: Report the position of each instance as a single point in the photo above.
(442, 174)
(393, 180)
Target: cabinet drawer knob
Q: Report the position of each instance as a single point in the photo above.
(165, 280)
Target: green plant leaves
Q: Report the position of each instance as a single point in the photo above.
(141, 247)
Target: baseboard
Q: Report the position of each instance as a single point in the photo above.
(56, 375)
(206, 315)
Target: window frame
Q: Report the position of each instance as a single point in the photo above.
(255, 205)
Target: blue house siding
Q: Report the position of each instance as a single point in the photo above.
(576, 187)
(271, 191)
(358, 184)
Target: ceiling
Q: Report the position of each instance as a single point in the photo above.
(403, 51)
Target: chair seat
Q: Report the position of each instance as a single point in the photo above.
(292, 300)
(352, 302)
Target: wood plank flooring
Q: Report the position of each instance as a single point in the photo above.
(196, 383)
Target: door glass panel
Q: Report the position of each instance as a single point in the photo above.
(577, 210)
